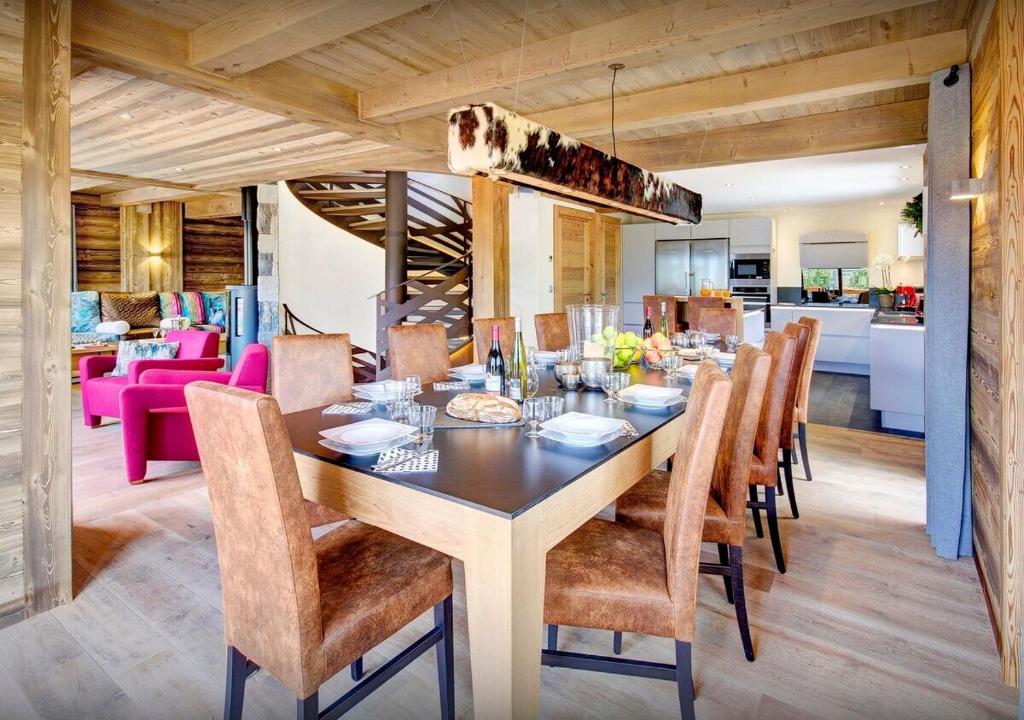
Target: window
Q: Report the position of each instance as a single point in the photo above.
(840, 281)
(855, 279)
(820, 278)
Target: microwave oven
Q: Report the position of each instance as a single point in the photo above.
(750, 268)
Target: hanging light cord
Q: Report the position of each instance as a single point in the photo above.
(465, 60)
(615, 71)
(522, 46)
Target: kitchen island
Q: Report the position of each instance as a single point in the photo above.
(897, 375)
(845, 345)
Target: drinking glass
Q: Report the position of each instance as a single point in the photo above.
(533, 413)
(413, 387)
(607, 384)
(532, 380)
(732, 342)
(423, 418)
(680, 341)
(556, 406)
(670, 363)
(399, 410)
(531, 355)
(621, 381)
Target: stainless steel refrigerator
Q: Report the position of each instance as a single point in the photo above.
(681, 265)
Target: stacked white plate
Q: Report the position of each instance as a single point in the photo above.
(691, 353)
(368, 437)
(474, 373)
(712, 337)
(652, 396)
(582, 430)
(725, 359)
(546, 357)
(370, 391)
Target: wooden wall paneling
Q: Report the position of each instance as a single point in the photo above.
(490, 248)
(12, 580)
(151, 247)
(985, 418)
(213, 253)
(46, 270)
(608, 235)
(573, 247)
(1011, 379)
(98, 247)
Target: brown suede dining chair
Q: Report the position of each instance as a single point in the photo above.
(552, 331)
(764, 464)
(653, 303)
(803, 393)
(418, 350)
(297, 359)
(724, 321)
(726, 512)
(303, 609)
(482, 336)
(802, 334)
(611, 576)
(696, 304)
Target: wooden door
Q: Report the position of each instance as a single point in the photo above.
(608, 278)
(573, 250)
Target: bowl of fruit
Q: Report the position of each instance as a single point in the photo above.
(655, 348)
(628, 349)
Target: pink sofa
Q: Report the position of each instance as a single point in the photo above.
(155, 424)
(197, 351)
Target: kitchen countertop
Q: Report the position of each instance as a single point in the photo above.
(834, 306)
(898, 319)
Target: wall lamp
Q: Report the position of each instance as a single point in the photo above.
(966, 189)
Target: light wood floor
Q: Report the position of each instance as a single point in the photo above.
(867, 623)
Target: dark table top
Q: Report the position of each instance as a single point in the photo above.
(495, 469)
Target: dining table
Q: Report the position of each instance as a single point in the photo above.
(498, 502)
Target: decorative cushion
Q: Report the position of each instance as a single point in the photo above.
(208, 328)
(114, 327)
(183, 304)
(137, 309)
(215, 312)
(128, 350)
(85, 311)
(88, 338)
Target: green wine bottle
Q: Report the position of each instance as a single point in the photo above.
(517, 368)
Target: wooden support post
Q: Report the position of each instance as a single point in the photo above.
(46, 299)
(396, 234)
(151, 240)
(490, 248)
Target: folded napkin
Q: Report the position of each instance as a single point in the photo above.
(689, 371)
(421, 463)
(352, 408)
(725, 358)
(453, 385)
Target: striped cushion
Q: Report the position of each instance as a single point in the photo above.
(183, 304)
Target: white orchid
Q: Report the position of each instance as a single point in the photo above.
(883, 263)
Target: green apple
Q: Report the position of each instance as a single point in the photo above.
(609, 332)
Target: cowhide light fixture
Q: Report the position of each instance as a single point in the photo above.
(488, 140)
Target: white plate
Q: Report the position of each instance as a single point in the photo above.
(725, 358)
(580, 441)
(371, 391)
(648, 403)
(691, 353)
(476, 370)
(582, 425)
(650, 392)
(546, 357)
(363, 450)
(367, 432)
(689, 371)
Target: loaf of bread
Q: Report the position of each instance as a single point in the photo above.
(483, 408)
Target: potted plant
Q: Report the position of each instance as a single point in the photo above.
(884, 291)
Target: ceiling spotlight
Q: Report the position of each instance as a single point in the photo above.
(730, 184)
(882, 203)
(904, 167)
(178, 169)
(277, 149)
(752, 197)
(903, 179)
(125, 116)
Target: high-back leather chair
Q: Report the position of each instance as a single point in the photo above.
(552, 331)
(803, 392)
(725, 517)
(724, 321)
(764, 463)
(418, 350)
(303, 609)
(653, 303)
(802, 335)
(308, 371)
(697, 304)
(611, 576)
(482, 336)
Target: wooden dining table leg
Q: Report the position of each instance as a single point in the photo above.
(504, 569)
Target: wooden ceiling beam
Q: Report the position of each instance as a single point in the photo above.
(113, 36)
(868, 128)
(214, 206)
(106, 178)
(679, 30)
(882, 67)
(260, 32)
(144, 195)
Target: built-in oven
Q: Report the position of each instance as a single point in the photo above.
(750, 267)
(755, 297)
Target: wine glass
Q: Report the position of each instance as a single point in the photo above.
(607, 384)
(532, 380)
(533, 413)
(413, 387)
(620, 382)
(670, 363)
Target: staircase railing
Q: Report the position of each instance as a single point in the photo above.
(364, 362)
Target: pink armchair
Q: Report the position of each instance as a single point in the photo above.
(197, 351)
(155, 424)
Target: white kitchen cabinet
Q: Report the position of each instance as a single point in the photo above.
(750, 235)
(637, 271)
(897, 375)
(909, 244)
(845, 344)
(668, 231)
(710, 229)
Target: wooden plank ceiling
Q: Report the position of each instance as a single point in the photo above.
(175, 100)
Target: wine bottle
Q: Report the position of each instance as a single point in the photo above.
(494, 372)
(648, 326)
(664, 320)
(517, 368)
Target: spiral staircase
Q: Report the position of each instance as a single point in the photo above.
(437, 266)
